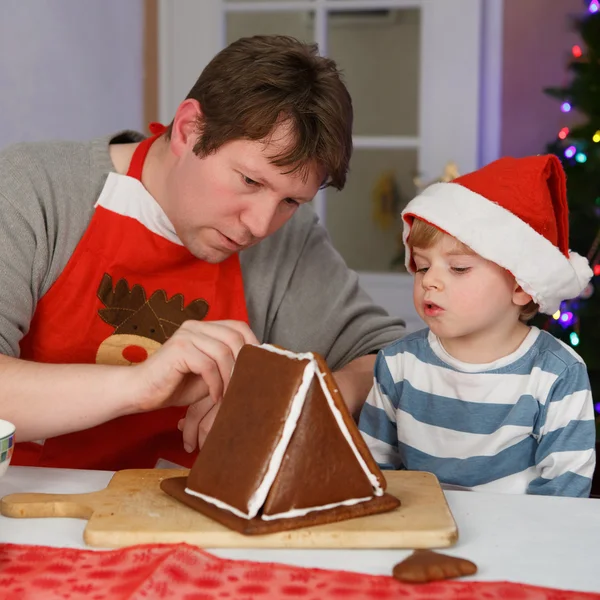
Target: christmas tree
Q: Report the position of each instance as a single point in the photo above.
(577, 322)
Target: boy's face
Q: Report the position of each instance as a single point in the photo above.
(459, 294)
(230, 200)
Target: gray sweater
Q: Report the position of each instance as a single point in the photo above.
(299, 292)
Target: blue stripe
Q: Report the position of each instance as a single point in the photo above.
(475, 470)
(576, 379)
(374, 422)
(386, 382)
(416, 344)
(577, 436)
(417, 341)
(470, 417)
(567, 484)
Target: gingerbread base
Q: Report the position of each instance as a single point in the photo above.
(175, 487)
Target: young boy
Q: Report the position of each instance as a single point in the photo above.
(481, 399)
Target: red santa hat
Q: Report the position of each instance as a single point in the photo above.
(514, 213)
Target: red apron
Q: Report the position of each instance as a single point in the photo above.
(126, 289)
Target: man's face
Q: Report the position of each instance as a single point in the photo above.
(235, 197)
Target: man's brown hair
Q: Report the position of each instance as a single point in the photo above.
(258, 82)
(424, 235)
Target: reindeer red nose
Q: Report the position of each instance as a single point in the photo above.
(134, 354)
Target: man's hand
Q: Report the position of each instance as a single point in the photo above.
(194, 363)
(198, 421)
(47, 400)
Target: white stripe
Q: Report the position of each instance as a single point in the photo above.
(483, 388)
(574, 407)
(541, 384)
(557, 463)
(382, 453)
(512, 484)
(541, 269)
(127, 196)
(379, 399)
(448, 443)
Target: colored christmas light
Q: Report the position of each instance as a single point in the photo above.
(556, 315)
(596, 270)
(565, 107)
(564, 132)
(566, 319)
(574, 339)
(576, 50)
(580, 157)
(596, 137)
(594, 6)
(570, 151)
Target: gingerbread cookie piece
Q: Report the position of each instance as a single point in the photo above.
(423, 566)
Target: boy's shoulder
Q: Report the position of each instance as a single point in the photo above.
(414, 343)
(554, 355)
(547, 343)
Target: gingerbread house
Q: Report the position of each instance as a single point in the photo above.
(283, 452)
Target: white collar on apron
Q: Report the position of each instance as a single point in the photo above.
(128, 197)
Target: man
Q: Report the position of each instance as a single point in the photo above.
(170, 253)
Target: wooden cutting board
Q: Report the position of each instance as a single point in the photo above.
(134, 510)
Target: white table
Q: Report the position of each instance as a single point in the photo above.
(553, 542)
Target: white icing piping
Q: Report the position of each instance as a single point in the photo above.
(342, 425)
(300, 512)
(258, 498)
(217, 503)
(301, 356)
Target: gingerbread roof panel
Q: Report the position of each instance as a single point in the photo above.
(241, 455)
(319, 468)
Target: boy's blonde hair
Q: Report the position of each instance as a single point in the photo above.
(423, 235)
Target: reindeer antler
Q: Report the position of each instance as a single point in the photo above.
(120, 303)
(171, 313)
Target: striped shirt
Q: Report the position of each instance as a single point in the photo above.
(522, 424)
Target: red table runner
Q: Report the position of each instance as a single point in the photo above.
(188, 573)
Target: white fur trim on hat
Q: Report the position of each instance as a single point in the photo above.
(498, 235)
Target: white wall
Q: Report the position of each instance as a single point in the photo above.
(70, 69)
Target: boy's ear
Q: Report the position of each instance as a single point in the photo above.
(520, 297)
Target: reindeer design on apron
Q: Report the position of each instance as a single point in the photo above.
(128, 286)
(141, 325)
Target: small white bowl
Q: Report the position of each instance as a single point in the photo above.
(7, 444)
